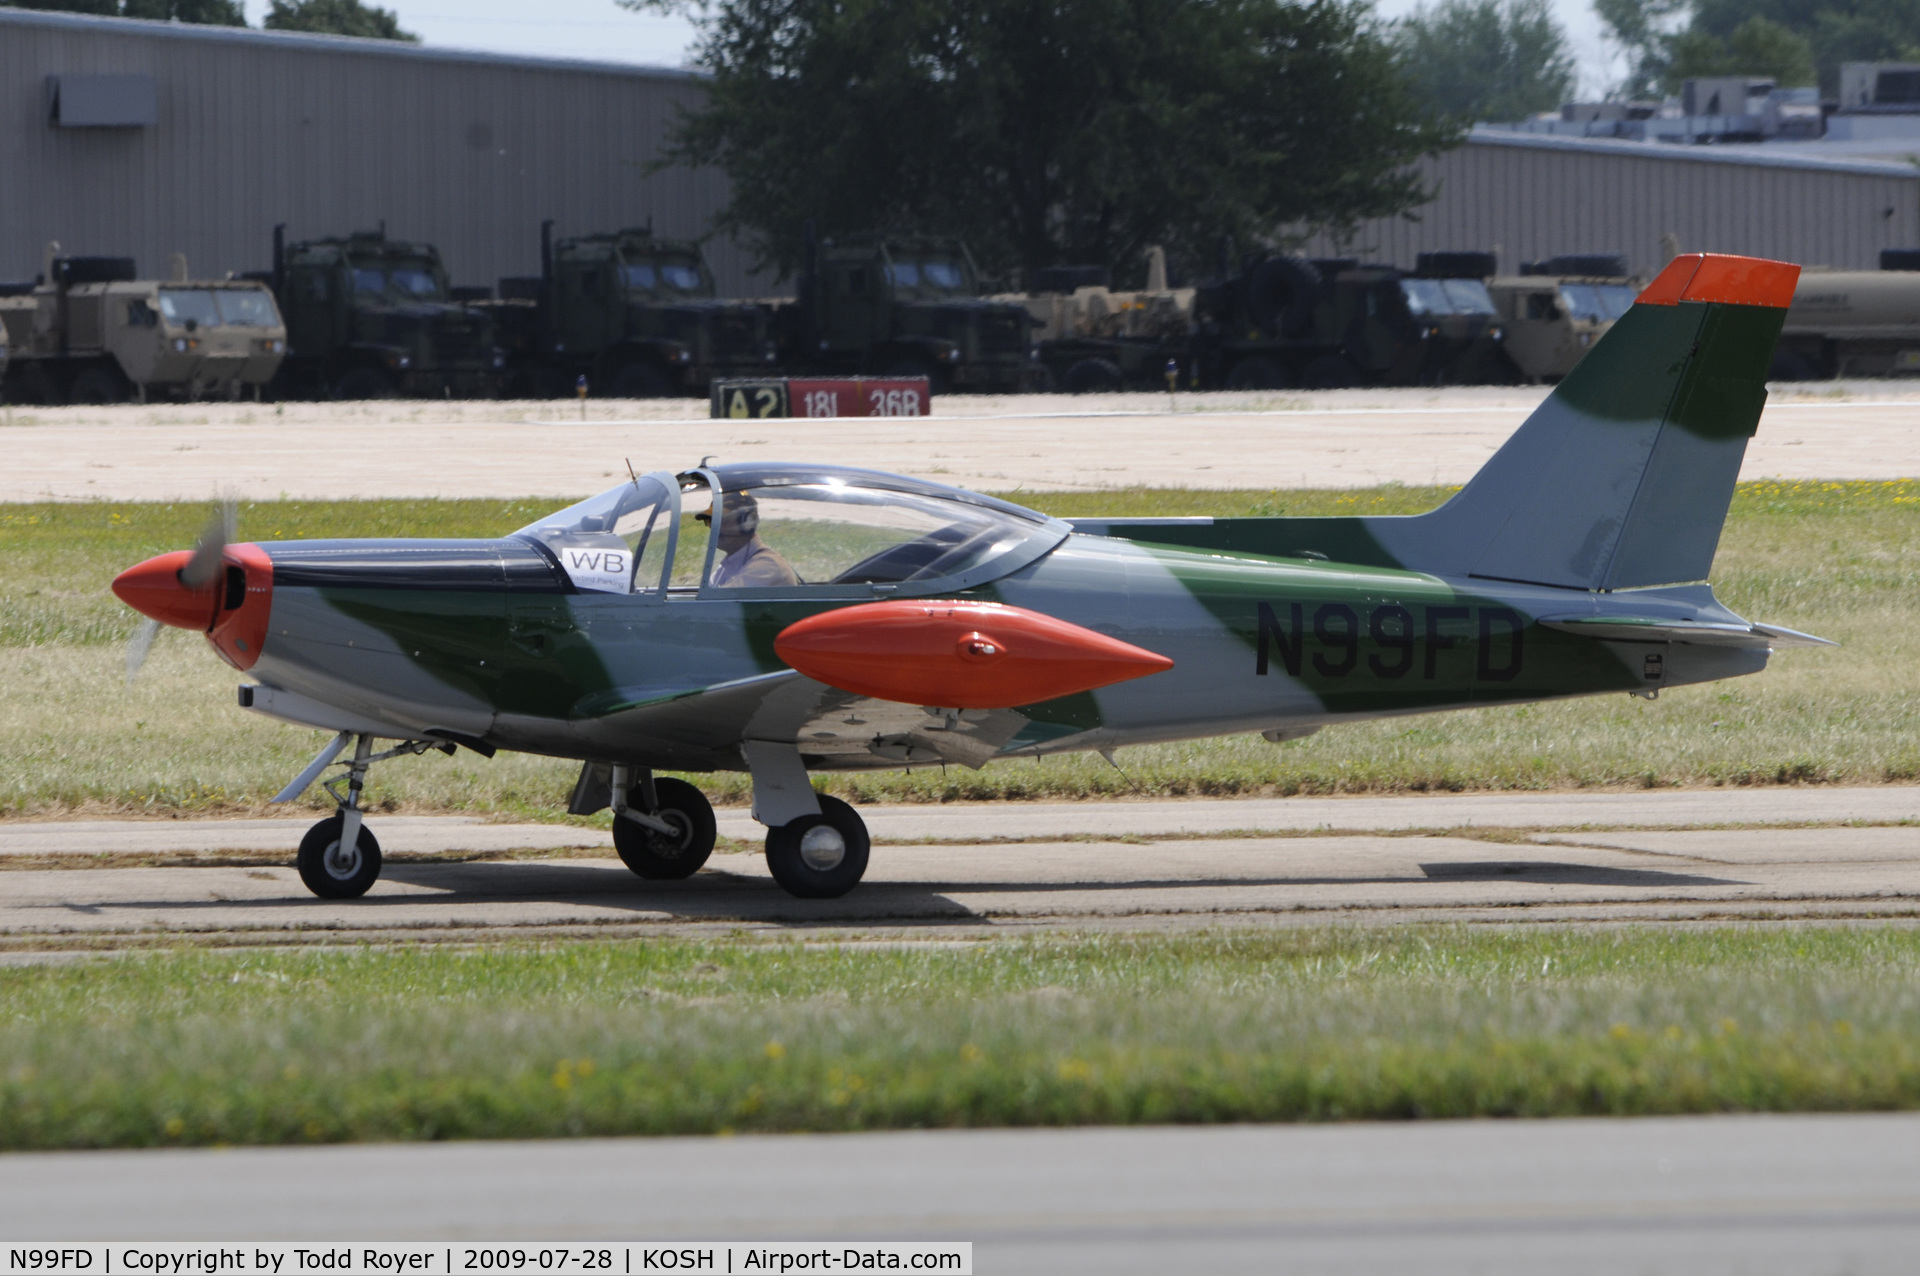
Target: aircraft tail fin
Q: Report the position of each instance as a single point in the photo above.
(1623, 476)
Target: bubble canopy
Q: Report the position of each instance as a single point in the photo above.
(812, 531)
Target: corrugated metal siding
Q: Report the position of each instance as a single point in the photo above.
(1533, 202)
(468, 154)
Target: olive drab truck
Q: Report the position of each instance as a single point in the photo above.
(1555, 310)
(370, 317)
(1853, 323)
(634, 315)
(1092, 338)
(89, 330)
(1329, 323)
(904, 307)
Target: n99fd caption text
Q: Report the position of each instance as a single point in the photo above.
(469, 1258)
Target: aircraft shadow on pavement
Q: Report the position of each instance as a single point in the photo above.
(1552, 874)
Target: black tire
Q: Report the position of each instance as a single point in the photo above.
(363, 383)
(1257, 372)
(651, 853)
(36, 386)
(98, 385)
(805, 867)
(325, 873)
(1094, 376)
(1330, 372)
(639, 381)
(1280, 295)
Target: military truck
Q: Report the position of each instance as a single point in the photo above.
(1093, 339)
(635, 315)
(89, 330)
(902, 306)
(1853, 323)
(1329, 323)
(370, 317)
(1554, 310)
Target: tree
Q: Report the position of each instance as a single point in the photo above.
(1050, 131)
(1644, 30)
(1758, 46)
(336, 17)
(1487, 60)
(224, 13)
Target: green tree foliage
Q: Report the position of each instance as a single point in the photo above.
(1668, 40)
(223, 13)
(1050, 131)
(1758, 46)
(1487, 60)
(336, 17)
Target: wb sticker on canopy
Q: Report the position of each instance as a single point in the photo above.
(607, 570)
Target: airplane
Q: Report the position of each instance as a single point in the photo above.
(832, 618)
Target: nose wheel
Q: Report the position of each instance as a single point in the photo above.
(819, 856)
(677, 838)
(334, 868)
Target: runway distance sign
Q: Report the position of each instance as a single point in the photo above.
(381, 1258)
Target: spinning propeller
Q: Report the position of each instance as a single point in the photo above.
(179, 589)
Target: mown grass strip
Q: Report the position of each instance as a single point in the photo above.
(675, 1037)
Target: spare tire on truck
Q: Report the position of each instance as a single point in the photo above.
(1456, 265)
(1280, 295)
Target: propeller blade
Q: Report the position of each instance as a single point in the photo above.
(204, 567)
(138, 646)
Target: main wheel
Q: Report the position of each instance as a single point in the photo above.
(332, 873)
(658, 856)
(819, 856)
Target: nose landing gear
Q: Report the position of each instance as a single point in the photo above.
(340, 857)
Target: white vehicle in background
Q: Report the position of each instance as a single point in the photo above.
(89, 331)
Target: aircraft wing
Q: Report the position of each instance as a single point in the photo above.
(849, 729)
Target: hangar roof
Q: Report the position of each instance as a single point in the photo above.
(1756, 154)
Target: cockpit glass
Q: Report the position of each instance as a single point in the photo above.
(832, 533)
(181, 305)
(615, 542)
(247, 307)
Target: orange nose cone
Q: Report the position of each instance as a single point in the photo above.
(153, 589)
(958, 655)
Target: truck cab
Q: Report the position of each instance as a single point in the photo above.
(637, 316)
(369, 317)
(1553, 316)
(92, 332)
(908, 308)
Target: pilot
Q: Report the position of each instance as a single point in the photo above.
(750, 563)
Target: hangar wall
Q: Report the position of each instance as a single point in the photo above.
(330, 135)
(1533, 197)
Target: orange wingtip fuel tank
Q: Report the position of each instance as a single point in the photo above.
(231, 610)
(954, 655)
(1739, 281)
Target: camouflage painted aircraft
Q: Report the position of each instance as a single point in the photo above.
(838, 619)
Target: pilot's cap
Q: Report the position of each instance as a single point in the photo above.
(739, 514)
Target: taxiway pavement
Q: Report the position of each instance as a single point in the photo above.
(1508, 857)
(1693, 1195)
(1349, 438)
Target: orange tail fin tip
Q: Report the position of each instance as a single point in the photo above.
(1739, 281)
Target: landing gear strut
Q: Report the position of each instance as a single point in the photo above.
(339, 856)
(663, 829)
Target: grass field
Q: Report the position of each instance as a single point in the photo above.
(676, 1037)
(1837, 559)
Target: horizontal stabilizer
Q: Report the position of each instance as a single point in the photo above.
(1642, 629)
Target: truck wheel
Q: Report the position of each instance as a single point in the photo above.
(363, 383)
(639, 381)
(1093, 376)
(1257, 372)
(36, 386)
(1280, 296)
(98, 385)
(1791, 365)
(1330, 372)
